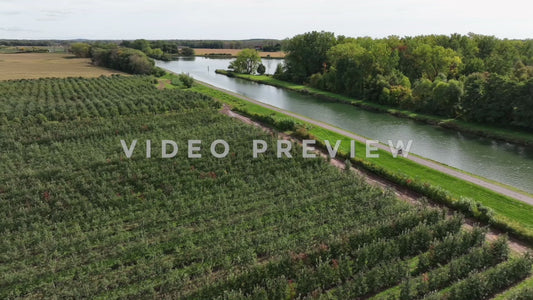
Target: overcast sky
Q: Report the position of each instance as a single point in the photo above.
(243, 19)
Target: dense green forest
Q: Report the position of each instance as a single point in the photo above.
(471, 77)
(163, 50)
(119, 58)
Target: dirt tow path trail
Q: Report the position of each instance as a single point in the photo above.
(425, 162)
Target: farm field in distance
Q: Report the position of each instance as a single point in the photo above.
(80, 219)
(40, 65)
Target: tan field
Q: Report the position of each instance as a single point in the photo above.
(234, 52)
(39, 65)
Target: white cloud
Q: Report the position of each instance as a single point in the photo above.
(239, 19)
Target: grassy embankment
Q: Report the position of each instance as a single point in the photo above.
(509, 214)
(504, 134)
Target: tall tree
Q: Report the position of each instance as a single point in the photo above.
(432, 61)
(187, 51)
(261, 69)
(523, 106)
(446, 97)
(307, 54)
(351, 64)
(246, 62)
(474, 97)
(81, 49)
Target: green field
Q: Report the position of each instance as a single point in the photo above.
(79, 219)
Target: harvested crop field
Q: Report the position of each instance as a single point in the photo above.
(234, 52)
(39, 65)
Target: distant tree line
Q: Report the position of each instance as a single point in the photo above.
(262, 44)
(162, 50)
(46, 43)
(167, 46)
(471, 77)
(209, 44)
(175, 46)
(34, 43)
(115, 57)
(271, 46)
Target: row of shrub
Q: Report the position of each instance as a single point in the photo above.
(124, 59)
(341, 261)
(383, 276)
(486, 284)
(525, 293)
(386, 273)
(480, 258)
(452, 246)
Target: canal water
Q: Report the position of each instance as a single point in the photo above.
(496, 160)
